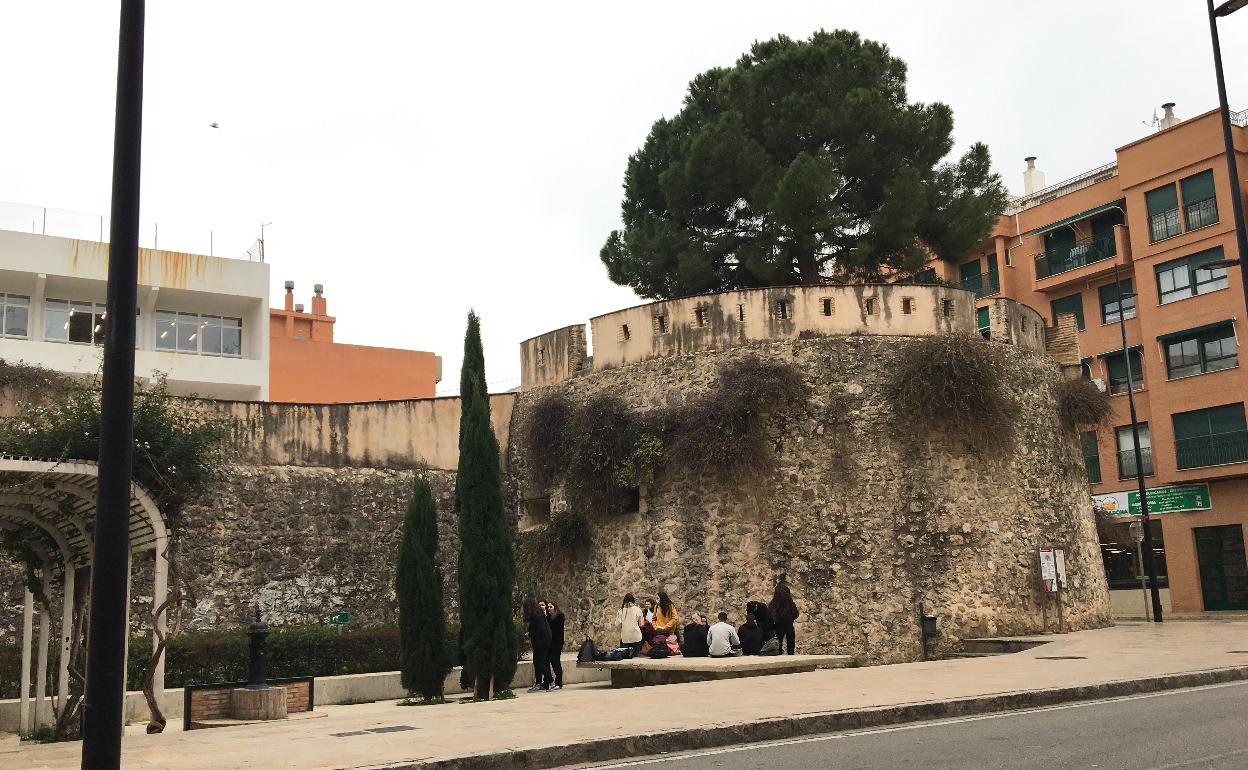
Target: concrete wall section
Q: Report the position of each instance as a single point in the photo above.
(1016, 324)
(720, 321)
(307, 371)
(552, 357)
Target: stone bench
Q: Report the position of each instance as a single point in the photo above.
(211, 705)
(642, 672)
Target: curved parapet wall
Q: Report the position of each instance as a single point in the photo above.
(1016, 324)
(718, 321)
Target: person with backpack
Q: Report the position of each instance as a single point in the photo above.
(783, 614)
(556, 620)
(539, 637)
(751, 635)
(630, 619)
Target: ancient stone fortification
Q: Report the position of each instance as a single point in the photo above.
(869, 518)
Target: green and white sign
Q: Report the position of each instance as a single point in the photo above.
(340, 619)
(1170, 499)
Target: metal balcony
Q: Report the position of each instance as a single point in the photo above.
(983, 284)
(1214, 449)
(1084, 252)
(1126, 462)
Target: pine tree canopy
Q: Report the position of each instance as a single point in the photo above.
(487, 568)
(424, 659)
(803, 162)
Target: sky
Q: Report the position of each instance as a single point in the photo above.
(422, 159)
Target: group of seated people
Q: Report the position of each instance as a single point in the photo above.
(653, 629)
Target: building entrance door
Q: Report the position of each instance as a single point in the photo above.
(1223, 567)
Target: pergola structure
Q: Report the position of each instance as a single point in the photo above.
(51, 505)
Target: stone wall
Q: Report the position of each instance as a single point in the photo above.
(868, 518)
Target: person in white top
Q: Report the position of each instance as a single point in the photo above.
(722, 638)
(629, 619)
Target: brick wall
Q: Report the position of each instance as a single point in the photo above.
(211, 703)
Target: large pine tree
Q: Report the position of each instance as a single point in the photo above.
(487, 567)
(423, 659)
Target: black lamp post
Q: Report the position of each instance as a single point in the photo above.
(1237, 203)
(1150, 564)
(257, 664)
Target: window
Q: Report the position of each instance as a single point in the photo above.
(625, 334)
(946, 307)
(72, 321)
(541, 358)
(1091, 456)
(1214, 436)
(926, 276)
(210, 334)
(660, 324)
(1116, 366)
(1121, 554)
(1183, 278)
(869, 305)
(1085, 368)
(981, 322)
(1199, 351)
(825, 304)
(907, 305)
(1163, 213)
(14, 315)
(1126, 452)
(782, 309)
(741, 313)
(1200, 207)
(1071, 304)
(1114, 307)
(699, 315)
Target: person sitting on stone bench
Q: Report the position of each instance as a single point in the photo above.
(751, 635)
(722, 639)
(695, 643)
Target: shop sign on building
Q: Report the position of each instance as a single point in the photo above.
(1171, 499)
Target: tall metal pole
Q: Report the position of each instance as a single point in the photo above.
(1150, 564)
(102, 709)
(1237, 202)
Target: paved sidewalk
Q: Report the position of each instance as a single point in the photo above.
(526, 729)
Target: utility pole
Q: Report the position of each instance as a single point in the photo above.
(102, 709)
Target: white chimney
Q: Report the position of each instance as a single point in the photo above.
(1033, 178)
(1168, 119)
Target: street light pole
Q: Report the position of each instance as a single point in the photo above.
(102, 706)
(1150, 564)
(1237, 203)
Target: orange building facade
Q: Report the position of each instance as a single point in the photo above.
(1157, 214)
(307, 366)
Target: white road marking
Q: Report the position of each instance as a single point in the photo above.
(928, 724)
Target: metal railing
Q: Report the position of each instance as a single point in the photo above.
(167, 235)
(1240, 118)
(1092, 464)
(1214, 449)
(1086, 179)
(983, 284)
(1163, 225)
(1201, 213)
(1126, 462)
(1085, 252)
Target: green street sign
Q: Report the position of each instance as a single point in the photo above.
(340, 619)
(1181, 497)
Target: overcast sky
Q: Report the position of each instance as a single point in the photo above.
(420, 159)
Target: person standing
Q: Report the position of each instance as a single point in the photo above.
(630, 619)
(555, 618)
(783, 614)
(722, 639)
(539, 637)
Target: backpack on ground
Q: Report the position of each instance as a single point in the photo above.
(588, 653)
(659, 652)
(770, 647)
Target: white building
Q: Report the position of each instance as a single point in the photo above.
(203, 321)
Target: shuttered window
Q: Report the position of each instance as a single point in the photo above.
(1163, 212)
(1183, 278)
(1200, 207)
(1071, 304)
(1111, 305)
(1116, 365)
(1214, 436)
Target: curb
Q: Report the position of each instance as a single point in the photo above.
(688, 739)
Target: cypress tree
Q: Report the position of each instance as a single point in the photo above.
(423, 660)
(487, 567)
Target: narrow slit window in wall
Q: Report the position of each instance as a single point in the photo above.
(825, 305)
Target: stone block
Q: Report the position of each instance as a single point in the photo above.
(269, 703)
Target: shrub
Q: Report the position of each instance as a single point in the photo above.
(1081, 402)
(954, 384)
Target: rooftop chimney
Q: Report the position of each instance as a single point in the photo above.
(1033, 178)
(319, 288)
(290, 296)
(319, 306)
(299, 308)
(1169, 118)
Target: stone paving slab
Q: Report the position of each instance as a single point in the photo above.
(594, 722)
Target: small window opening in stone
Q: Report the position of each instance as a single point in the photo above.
(699, 315)
(660, 324)
(870, 305)
(741, 312)
(624, 332)
(826, 304)
(630, 500)
(541, 356)
(534, 513)
(946, 307)
(907, 305)
(782, 309)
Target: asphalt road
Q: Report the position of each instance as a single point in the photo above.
(1198, 728)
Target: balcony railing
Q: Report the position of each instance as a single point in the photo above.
(1126, 462)
(983, 284)
(1163, 225)
(1215, 449)
(1054, 261)
(1201, 213)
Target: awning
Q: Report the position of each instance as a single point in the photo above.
(1118, 351)
(1081, 215)
(1194, 330)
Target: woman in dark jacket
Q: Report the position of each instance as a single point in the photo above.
(555, 618)
(539, 637)
(751, 636)
(695, 644)
(783, 613)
